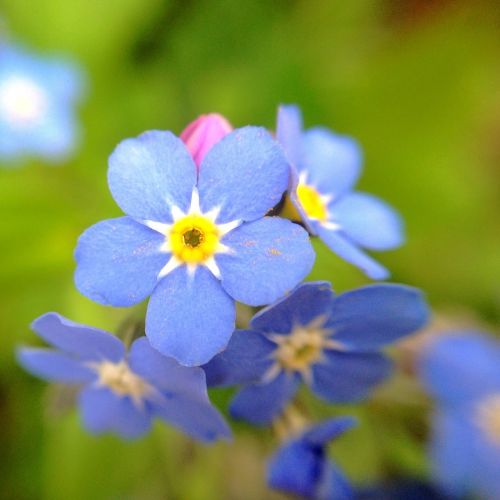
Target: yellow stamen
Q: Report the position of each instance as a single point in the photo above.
(312, 202)
(194, 239)
(488, 417)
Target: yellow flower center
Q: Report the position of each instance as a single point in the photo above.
(194, 239)
(312, 202)
(488, 417)
(121, 379)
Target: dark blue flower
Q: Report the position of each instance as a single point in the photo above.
(37, 101)
(330, 342)
(462, 371)
(122, 392)
(195, 243)
(301, 465)
(325, 167)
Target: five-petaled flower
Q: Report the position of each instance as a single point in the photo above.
(122, 392)
(194, 242)
(330, 342)
(462, 371)
(325, 167)
(37, 101)
(301, 465)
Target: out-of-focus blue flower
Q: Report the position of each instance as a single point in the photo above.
(301, 465)
(462, 371)
(37, 105)
(122, 392)
(325, 167)
(330, 342)
(195, 243)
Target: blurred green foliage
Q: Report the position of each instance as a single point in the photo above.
(416, 82)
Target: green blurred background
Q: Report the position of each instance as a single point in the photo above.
(416, 81)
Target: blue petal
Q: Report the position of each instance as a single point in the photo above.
(349, 376)
(197, 418)
(245, 360)
(289, 131)
(296, 468)
(85, 342)
(245, 174)
(320, 434)
(150, 174)
(452, 453)
(269, 258)
(260, 404)
(335, 486)
(66, 78)
(300, 307)
(118, 262)
(368, 221)
(351, 253)
(332, 162)
(165, 373)
(469, 357)
(105, 411)
(190, 318)
(372, 316)
(54, 366)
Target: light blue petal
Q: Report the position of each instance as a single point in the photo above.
(335, 486)
(301, 306)
(373, 316)
(269, 258)
(452, 454)
(118, 262)
(368, 221)
(467, 356)
(150, 174)
(245, 174)
(339, 244)
(332, 162)
(105, 411)
(245, 360)
(165, 373)
(296, 468)
(198, 418)
(190, 318)
(320, 434)
(349, 376)
(289, 131)
(54, 366)
(260, 404)
(83, 341)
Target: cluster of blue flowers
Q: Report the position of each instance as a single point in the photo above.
(219, 216)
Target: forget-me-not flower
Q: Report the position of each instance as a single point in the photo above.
(194, 242)
(330, 342)
(325, 167)
(122, 392)
(301, 465)
(462, 371)
(37, 104)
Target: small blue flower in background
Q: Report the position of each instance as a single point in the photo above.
(194, 242)
(325, 167)
(37, 105)
(301, 465)
(462, 371)
(122, 392)
(330, 342)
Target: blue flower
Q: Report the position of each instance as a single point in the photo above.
(195, 243)
(330, 342)
(462, 372)
(301, 465)
(122, 392)
(37, 101)
(325, 167)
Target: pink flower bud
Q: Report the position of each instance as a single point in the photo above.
(200, 135)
